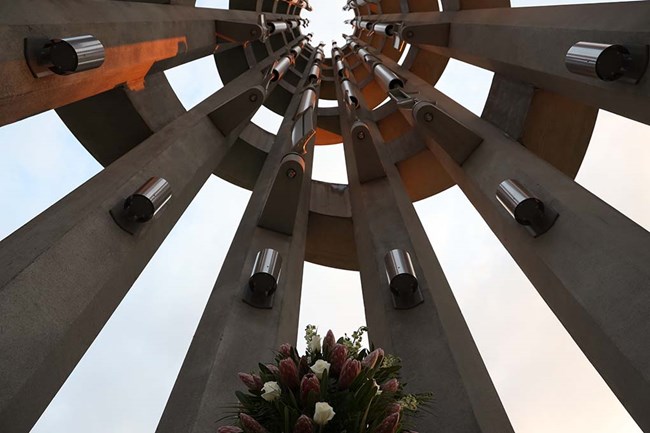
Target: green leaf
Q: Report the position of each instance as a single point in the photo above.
(324, 385)
(264, 369)
(286, 419)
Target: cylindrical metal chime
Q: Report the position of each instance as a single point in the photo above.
(314, 74)
(400, 272)
(387, 29)
(307, 101)
(147, 201)
(387, 78)
(266, 272)
(525, 208)
(518, 201)
(281, 67)
(276, 27)
(350, 93)
(366, 56)
(75, 54)
(604, 61)
(341, 69)
(296, 50)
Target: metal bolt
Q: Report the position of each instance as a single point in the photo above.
(410, 34)
(361, 135)
(291, 173)
(428, 117)
(252, 97)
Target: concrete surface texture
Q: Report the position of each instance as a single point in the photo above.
(64, 273)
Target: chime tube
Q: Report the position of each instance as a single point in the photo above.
(266, 271)
(276, 27)
(148, 200)
(314, 74)
(387, 29)
(63, 56)
(367, 57)
(350, 93)
(387, 78)
(307, 101)
(296, 50)
(281, 68)
(400, 272)
(340, 69)
(603, 61)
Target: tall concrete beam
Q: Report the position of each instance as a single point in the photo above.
(543, 36)
(432, 339)
(591, 267)
(63, 274)
(139, 39)
(233, 336)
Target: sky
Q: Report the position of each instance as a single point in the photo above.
(122, 383)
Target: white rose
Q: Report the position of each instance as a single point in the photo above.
(323, 414)
(271, 390)
(314, 344)
(319, 367)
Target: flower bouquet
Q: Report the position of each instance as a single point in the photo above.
(336, 387)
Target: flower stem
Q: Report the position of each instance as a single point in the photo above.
(362, 427)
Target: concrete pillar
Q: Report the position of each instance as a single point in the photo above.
(484, 38)
(139, 39)
(233, 336)
(63, 274)
(432, 339)
(591, 267)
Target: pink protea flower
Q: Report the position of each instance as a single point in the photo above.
(252, 381)
(337, 358)
(328, 342)
(393, 408)
(303, 366)
(303, 425)
(289, 373)
(309, 385)
(229, 429)
(250, 424)
(349, 372)
(389, 425)
(273, 369)
(372, 358)
(285, 350)
(390, 386)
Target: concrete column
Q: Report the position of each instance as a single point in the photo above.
(432, 339)
(63, 274)
(233, 336)
(139, 39)
(591, 267)
(484, 38)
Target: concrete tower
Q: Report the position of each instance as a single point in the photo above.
(100, 64)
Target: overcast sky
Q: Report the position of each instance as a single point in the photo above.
(123, 381)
